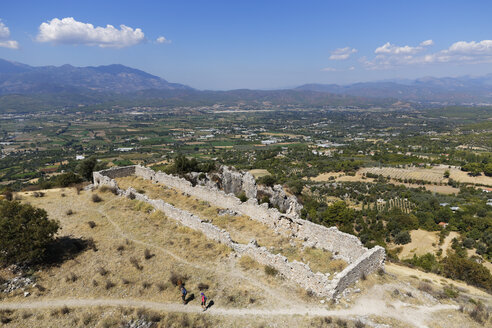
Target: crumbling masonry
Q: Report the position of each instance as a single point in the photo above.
(362, 261)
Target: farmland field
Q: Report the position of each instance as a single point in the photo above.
(434, 174)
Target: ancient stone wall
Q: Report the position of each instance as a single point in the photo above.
(342, 245)
(361, 260)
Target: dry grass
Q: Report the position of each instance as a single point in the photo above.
(241, 228)
(318, 260)
(193, 255)
(422, 242)
(248, 263)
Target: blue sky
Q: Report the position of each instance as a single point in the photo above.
(255, 44)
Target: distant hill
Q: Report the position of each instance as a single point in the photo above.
(17, 78)
(25, 88)
(429, 89)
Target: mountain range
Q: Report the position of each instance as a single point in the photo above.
(445, 90)
(24, 87)
(25, 79)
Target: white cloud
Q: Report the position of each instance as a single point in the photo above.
(162, 39)
(427, 43)
(4, 31)
(11, 44)
(389, 48)
(483, 47)
(342, 53)
(70, 31)
(4, 38)
(390, 56)
(351, 68)
(329, 69)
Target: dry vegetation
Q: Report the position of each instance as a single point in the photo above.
(434, 174)
(141, 255)
(241, 227)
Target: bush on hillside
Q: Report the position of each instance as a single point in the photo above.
(25, 233)
(456, 267)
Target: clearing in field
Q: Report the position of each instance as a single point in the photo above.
(258, 173)
(422, 242)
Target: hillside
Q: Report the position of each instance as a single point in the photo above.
(128, 276)
(17, 78)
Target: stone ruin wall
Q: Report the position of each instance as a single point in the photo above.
(361, 260)
(344, 246)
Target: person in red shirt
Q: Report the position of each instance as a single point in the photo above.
(204, 301)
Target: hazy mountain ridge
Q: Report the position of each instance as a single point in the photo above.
(428, 89)
(25, 79)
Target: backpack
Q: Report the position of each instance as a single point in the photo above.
(183, 291)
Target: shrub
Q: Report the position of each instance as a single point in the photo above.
(69, 212)
(109, 284)
(25, 233)
(202, 286)
(450, 292)
(425, 287)
(38, 194)
(91, 244)
(147, 254)
(359, 324)
(9, 195)
(271, 271)
(108, 189)
(146, 284)
(136, 264)
(242, 197)
(402, 238)
(91, 224)
(160, 286)
(96, 198)
(64, 310)
(479, 313)
(87, 318)
(102, 271)
(72, 277)
(177, 279)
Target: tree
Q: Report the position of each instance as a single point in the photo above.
(402, 238)
(267, 180)
(86, 167)
(25, 233)
(456, 267)
(488, 170)
(67, 179)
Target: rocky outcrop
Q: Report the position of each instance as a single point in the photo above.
(278, 198)
(228, 179)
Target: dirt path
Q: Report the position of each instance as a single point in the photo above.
(447, 242)
(414, 315)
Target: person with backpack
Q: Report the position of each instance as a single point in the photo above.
(204, 301)
(183, 293)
